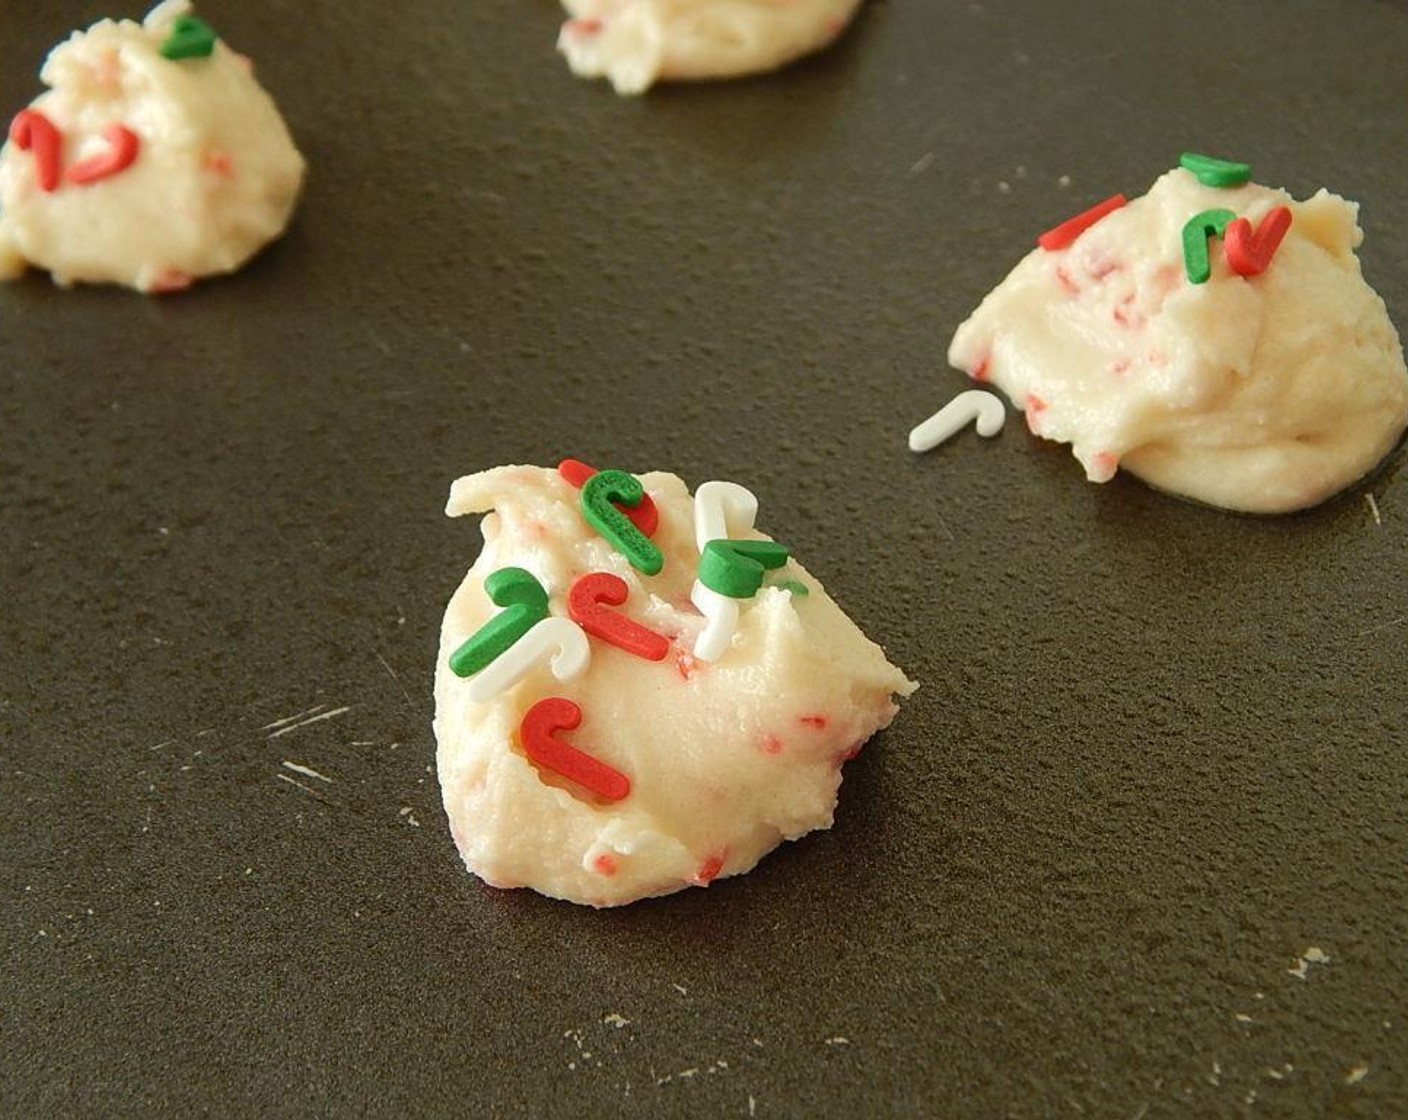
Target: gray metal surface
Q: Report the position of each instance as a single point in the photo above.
(1159, 753)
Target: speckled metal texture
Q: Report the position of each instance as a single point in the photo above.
(1160, 753)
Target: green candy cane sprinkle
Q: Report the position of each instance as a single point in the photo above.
(736, 568)
(1196, 233)
(1213, 172)
(598, 495)
(191, 37)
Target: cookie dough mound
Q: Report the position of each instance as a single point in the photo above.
(724, 759)
(1266, 393)
(212, 173)
(636, 43)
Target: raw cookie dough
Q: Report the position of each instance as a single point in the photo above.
(1264, 394)
(213, 177)
(724, 759)
(636, 43)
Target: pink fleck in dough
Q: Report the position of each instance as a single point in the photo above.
(1264, 394)
(726, 760)
(635, 43)
(709, 870)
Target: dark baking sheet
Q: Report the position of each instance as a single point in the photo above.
(1159, 753)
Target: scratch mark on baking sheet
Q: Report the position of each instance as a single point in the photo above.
(293, 718)
(1143, 1112)
(1374, 508)
(1389, 625)
(944, 525)
(923, 163)
(306, 771)
(306, 789)
(386, 665)
(163, 743)
(378, 342)
(1357, 1074)
(311, 720)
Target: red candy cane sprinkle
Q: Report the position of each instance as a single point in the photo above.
(123, 146)
(644, 517)
(32, 131)
(1248, 253)
(585, 604)
(1063, 235)
(538, 734)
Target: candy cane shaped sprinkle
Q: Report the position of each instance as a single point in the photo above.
(720, 622)
(123, 146)
(585, 605)
(1200, 228)
(32, 131)
(736, 568)
(1213, 172)
(645, 517)
(1248, 253)
(525, 604)
(191, 37)
(722, 510)
(974, 406)
(557, 642)
(1063, 235)
(538, 734)
(598, 495)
